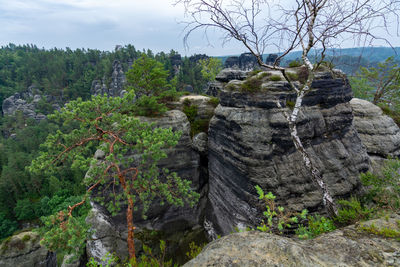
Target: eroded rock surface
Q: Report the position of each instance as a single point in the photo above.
(378, 132)
(346, 247)
(24, 250)
(250, 144)
(116, 87)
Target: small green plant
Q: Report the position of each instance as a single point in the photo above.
(290, 104)
(275, 78)
(384, 231)
(316, 225)
(251, 85)
(214, 101)
(292, 76)
(147, 259)
(148, 106)
(26, 238)
(253, 73)
(384, 189)
(294, 63)
(352, 211)
(191, 112)
(276, 218)
(194, 250)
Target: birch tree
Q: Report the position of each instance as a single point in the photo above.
(313, 26)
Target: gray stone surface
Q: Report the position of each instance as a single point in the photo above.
(24, 250)
(378, 132)
(229, 74)
(116, 87)
(175, 223)
(200, 143)
(250, 144)
(346, 247)
(245, 61)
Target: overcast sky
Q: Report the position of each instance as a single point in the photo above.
(102, 24)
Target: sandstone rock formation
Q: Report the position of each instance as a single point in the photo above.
(245, 61)
(177, 226)
(379, 133)
(117, 84)
(346, 247)
(224, 76)
(250, 144)
(24, 250)
(26, 102)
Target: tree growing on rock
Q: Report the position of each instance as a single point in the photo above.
(107, 124)
(310, 25)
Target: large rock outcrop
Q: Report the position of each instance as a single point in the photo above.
(176, 225)
(117, 84)
(350, 246)
(27, 103)
(378, 132)
(250, 144)
(224, 76)
(245, 61)
(24, 250)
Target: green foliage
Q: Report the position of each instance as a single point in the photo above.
(24, 210)
(107, 124)
(294, 63)
(384, 231)
(210, 67)
(251, 85)
(194, 250)
(191, 112)
(147, 77)
(275, 78)
(148, 106)
(384, 189)
(214, 101)
(292, 76)
(147, 259)
(44, 107)
(352, 211)
(7, 226)
(379, 84)
(316, 226)
(276, 218)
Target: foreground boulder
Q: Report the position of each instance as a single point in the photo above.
(24, 250)
(250, 144)
(350, 246)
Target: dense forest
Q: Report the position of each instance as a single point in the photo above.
(63, 75)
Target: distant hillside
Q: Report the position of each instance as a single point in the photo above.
(348, 59)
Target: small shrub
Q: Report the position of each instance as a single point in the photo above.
(385, 231)
(317, 225)
(230, 87)
(251, 85)
(384, 189)
(168, 96)
(194, 250)
(148, 106)
(253, 73)
(292, 76)
(276, 218)
(351, 211)
(275, 78)
(26, 238)
(214, 101)
(199, 125)
(294, 63)
(190, 111)
(290, 104)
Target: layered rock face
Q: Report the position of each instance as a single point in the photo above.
(223, 77)
(350, 246)
(174, 224)
(24, 250)
(116, 87)
(250, 144)
(379, 133)
(27, 103)
(245, 61)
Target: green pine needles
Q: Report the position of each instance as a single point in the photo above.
(107, 124)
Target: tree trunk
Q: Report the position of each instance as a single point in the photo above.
(131, 230)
